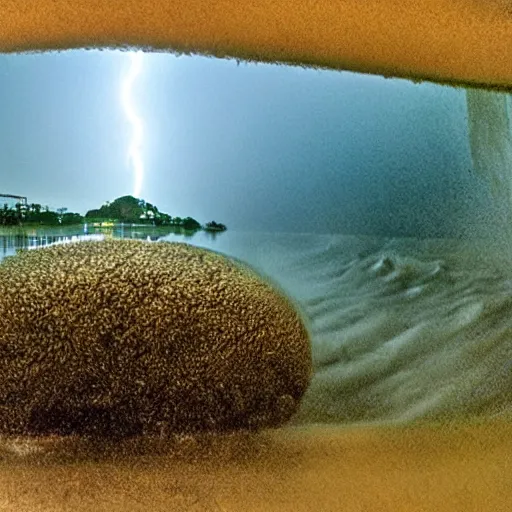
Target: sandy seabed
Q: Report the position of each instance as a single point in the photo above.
(442, 467)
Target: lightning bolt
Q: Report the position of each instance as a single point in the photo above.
(134, 150)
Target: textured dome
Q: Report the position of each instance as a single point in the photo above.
(125, 337)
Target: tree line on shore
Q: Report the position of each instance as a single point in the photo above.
(126, 209)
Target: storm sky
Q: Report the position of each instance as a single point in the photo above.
(258, 147)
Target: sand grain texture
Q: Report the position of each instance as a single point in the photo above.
(458, 467)
(123, 337)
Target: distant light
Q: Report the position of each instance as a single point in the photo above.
(134, 150)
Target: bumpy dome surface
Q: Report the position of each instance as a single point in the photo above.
(124, 337)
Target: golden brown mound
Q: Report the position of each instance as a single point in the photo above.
(128, 337)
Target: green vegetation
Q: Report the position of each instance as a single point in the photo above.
(214, 226)
(130, 210)
(126, 209)
(36, 214)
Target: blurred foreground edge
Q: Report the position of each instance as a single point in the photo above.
(445, 467)
(454, 41)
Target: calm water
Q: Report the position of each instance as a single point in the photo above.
(402, 329)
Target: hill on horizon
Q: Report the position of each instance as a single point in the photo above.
(133, 210)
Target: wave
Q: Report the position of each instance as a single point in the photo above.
(400, 337)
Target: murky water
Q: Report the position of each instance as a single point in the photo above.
(401, 329)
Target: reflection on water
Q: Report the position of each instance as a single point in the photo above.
(12, 243)
(12, 240)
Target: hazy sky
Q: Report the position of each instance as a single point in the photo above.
(258, 147)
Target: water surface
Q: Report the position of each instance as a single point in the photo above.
(402, 329)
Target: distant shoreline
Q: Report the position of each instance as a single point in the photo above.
(124, 211)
